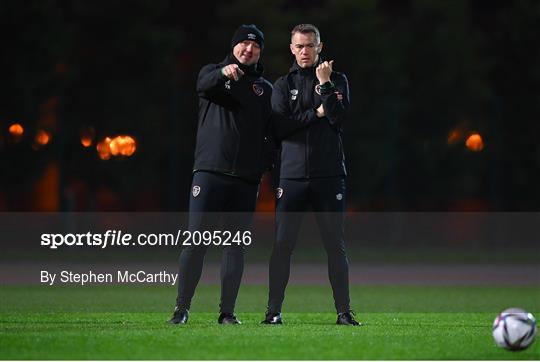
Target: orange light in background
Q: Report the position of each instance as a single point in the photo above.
(42, 137)
(454, 136)
(86, 141)
(266, 200)
(46, 190)
(123, 145)
(104, 152)
(118, 146)
(475, 142)
(16, 130)
(87, 136)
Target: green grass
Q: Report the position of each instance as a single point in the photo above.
(128, 322)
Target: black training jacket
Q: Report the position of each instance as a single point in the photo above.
(233, 121)
(310, 146)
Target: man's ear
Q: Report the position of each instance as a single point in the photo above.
(319, 50)
(292, 48)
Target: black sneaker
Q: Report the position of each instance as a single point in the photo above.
(228, 318)
(180, 316)
(272, 318)
(347, 319)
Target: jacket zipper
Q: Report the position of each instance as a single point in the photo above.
(306, 94)
(307, 153)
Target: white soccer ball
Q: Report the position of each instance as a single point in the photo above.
(514, 329)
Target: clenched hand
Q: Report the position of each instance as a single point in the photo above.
(323, 71)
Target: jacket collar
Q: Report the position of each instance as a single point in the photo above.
(296, 68)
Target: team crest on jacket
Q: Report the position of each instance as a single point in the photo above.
(196, 190)
(279, 192)
(294, 94)
(318, 89)
(228, 84)
(258, 89)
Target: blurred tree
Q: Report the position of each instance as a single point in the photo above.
(423, 74)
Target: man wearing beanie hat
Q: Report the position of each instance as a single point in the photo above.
(234, 113)
(248, 32)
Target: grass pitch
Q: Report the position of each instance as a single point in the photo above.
(128, 322)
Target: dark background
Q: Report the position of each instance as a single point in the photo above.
(423, 74)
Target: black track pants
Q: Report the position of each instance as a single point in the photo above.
(216, 196)
(327, 198)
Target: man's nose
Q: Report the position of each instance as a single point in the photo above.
(249, 47)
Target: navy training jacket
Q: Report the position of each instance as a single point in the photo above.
(233, 121)
(310, 146)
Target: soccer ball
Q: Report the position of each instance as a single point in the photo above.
(514, 329)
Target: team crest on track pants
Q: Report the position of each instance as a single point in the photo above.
(326, 196)
(217, 202)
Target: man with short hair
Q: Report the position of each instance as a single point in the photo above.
(234, 111)
(309, 105)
